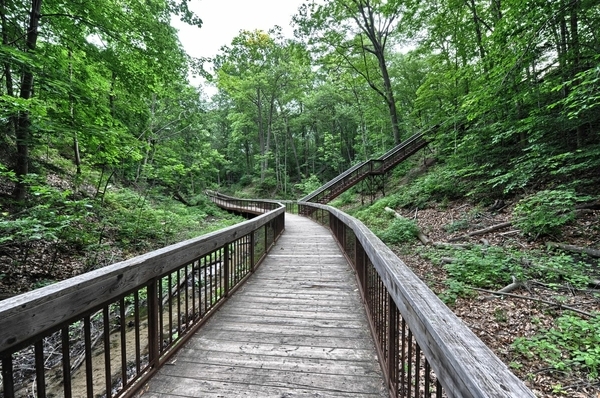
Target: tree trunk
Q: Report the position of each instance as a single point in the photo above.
(293, 145)
(378, 34)
(265, 160)
(261, 133)
(22, 132)
(391, 101)
(72, 115)
(12, 121)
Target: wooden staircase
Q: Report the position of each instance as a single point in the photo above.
(359, 172)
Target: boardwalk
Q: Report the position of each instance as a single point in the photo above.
(296, 329)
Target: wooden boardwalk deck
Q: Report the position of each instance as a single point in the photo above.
(297, 328)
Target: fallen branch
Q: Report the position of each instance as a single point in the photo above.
(575, 249)
(594, 205)
(482, 231)
(422, 237)
(512, 232)
(452, 245)
(560, 306)
(513, 286)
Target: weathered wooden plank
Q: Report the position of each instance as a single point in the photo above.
(296, 305)
(307, 314)
(360, 384)
(306, 292)
(275, 322)
(271, 362)
(282, 350)
(265, 336)
(187, 387)
(290, 330)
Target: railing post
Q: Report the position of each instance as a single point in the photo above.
(7, 377)
(153, 315)
(361, 267)
(252, 241)
(266, 226)
(392, 345)
(226, 265)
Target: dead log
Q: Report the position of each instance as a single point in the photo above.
(512, 232)
(594, 205)
(575, 249)
(422, 237)
(482, 231)
(446, 245)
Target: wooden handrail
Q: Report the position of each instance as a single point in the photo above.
(463, 365)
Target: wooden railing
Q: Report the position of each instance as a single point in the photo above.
(252, 206)
(106, 332)
(359, 172)
(424, 349)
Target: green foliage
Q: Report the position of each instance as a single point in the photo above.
(52, 216)
(308, 185)
(455, 290)
(561, 269)
(344, 199)
(458, 225)
(491, 267)
(464, 222)
(439, 184)
(583, 93)
(545, 212)
(484, 267)
(400, 230)
(573, 344)
(135, 221)
(390, 229)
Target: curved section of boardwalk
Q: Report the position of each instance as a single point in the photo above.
(297, 328)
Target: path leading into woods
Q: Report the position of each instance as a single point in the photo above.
(297, 328)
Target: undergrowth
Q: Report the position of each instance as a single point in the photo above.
(573, 344)
(63, 221)
(491, 267)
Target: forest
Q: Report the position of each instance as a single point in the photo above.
(107, 147)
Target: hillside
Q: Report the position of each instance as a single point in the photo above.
(73, 225)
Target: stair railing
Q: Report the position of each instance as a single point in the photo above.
(358, 172)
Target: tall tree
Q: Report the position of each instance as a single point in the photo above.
(121, 50)
(252, 71)
(357, 30)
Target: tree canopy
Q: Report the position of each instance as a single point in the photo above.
(512, 85)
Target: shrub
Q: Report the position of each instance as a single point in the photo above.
(400, 230)
(484, 267)
(545, 212)
(440, 184)
(308, 185)
(573, 344)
